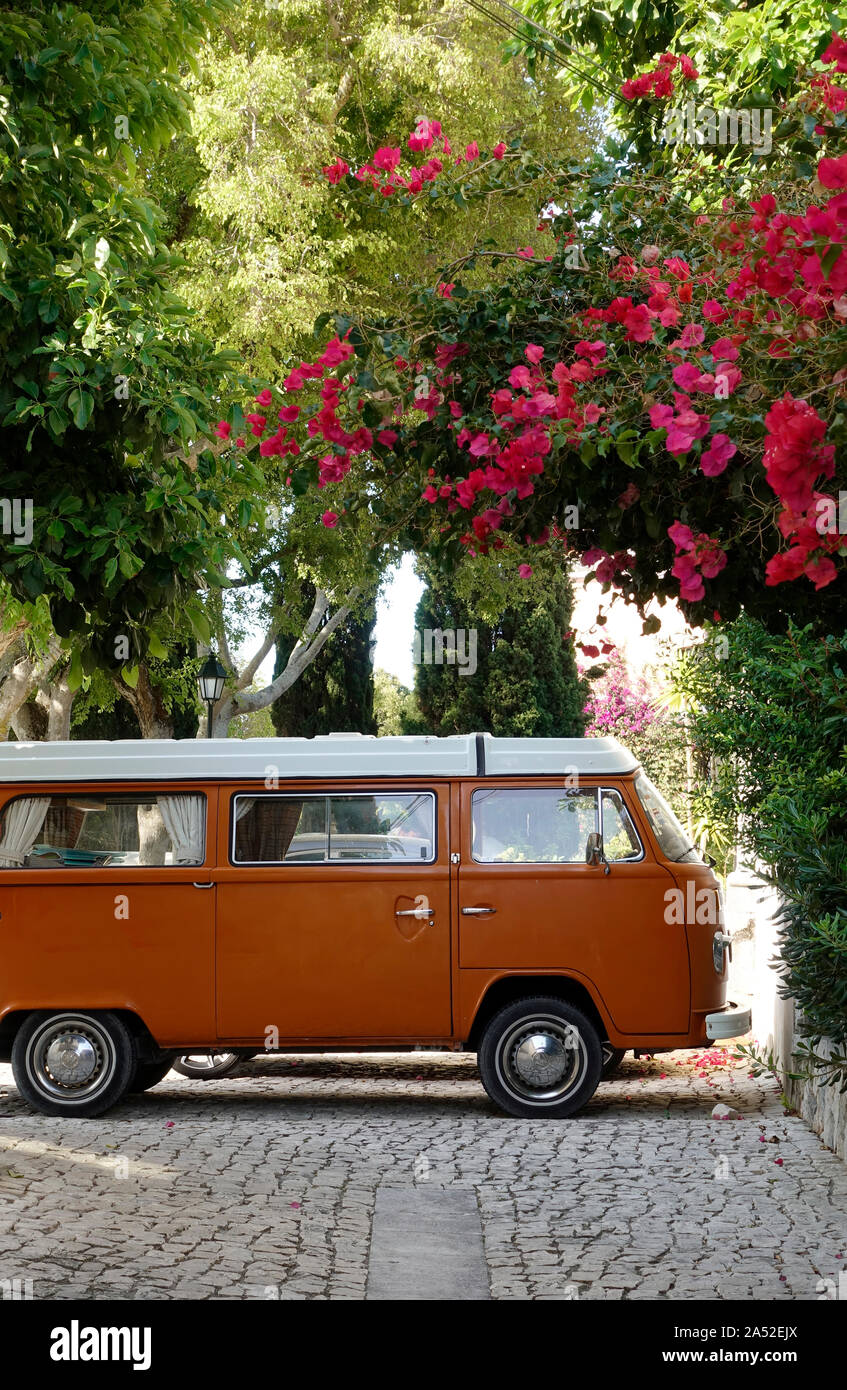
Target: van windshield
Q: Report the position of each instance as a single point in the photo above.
(673, 841)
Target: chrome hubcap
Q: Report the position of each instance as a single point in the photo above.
(70, 1058)
(542, 1060)
(208, 1060)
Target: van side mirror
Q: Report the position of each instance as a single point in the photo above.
(594, 852)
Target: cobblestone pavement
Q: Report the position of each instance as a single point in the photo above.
(263, 1184)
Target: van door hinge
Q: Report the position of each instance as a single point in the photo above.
(455, 858)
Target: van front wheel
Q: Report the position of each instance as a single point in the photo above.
(540, 1057)
(73, 1063)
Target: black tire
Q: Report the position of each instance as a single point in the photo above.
(612, 1058)
(200, 1072)
(149, 1074)
(575, 1053)
(97, 1066)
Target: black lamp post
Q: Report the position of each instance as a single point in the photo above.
(211, 684)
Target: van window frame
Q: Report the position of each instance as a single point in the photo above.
(599, 791)
(146, 797)
(327, 796)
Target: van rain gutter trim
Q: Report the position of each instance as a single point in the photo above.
(480, 755)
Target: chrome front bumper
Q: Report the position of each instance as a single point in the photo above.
(730, 1022)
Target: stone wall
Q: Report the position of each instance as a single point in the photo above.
(750, 911)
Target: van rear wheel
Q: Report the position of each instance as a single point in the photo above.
(540, 1058)
(73, 1063)
(612, 1058)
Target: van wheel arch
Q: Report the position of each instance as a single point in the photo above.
(147, 1048)
(511, 987)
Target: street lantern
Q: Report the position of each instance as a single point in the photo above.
(211, 684)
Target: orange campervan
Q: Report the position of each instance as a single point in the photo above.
(531, 900)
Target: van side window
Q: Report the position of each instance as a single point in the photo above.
(533, 825)
(620, 837)
(390, 827)
(83, 831)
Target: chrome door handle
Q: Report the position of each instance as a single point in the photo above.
(413, 912)
(204, 885)
(478, 911)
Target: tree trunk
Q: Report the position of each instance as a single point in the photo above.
(21, 679)
(57, 700)
(146, 702)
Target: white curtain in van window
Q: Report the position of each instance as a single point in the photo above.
(23, 820)
(243, 805)
(185, 822)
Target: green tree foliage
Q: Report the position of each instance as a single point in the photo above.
(335, 692)
(396, 709)
(753, 49)
(772, 718)
(525, 683)
(285, 89)
(103, 380)
(99, 712)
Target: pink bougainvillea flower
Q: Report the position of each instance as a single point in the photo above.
(425, 132)
(682, 536)
(223, 430)
(289, 414)
(533, 353)
(337, 171)
(594, 352)
(638, 323)
(716, 458)
(499, 150)
(330, 519)
(445, 291)
(714, 312)
(525, 571)
(687, 375)
(294, 381)
(661, 416)
(679, 268)
(264, 397)
(472, 151)
(388, 438)
(836, 52)
(691, 336)
(832, 173)
(821, 571)
(526, 252)
(502, 401)
(691, 586)
(386, 158)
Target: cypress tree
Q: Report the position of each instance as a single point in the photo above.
(526, 682)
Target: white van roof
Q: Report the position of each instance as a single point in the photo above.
(331, 755)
